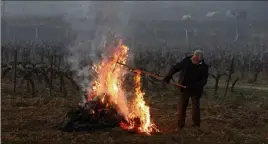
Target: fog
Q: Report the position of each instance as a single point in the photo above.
(150, 29)
(82, 15)
(139, 10)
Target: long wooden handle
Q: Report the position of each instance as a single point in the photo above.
(151, 74)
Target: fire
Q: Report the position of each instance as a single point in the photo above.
(110, 77)
(109, 80)
(139, 118)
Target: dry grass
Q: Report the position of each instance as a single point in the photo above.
(33, 120)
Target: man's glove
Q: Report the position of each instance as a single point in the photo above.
(166, 79)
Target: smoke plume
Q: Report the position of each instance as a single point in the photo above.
(102, 19)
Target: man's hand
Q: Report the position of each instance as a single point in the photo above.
(166, 80)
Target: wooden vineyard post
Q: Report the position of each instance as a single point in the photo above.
(2, 55)
(15, 71)
(62, 84)
(51, 75)
(231, 71)
(42, 54)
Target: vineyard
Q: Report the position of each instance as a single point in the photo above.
(39, 87)
(32, 65)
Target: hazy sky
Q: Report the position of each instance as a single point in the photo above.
(159, 9)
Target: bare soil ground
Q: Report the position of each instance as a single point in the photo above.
(238, 119)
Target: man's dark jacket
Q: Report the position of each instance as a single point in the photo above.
(193, 76)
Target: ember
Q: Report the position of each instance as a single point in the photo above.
(106, 101)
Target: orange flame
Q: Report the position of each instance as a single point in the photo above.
(139, 118)
(109, 81)
(110, 77)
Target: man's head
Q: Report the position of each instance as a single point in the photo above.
(197, 57)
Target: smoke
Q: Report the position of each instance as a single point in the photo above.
(104, 20)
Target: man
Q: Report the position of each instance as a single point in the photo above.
(193, 75)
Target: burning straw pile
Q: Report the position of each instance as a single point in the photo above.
(107, 105)
(95, 114)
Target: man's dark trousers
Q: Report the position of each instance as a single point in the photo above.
(183, 103)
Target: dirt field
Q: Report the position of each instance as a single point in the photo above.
(241, 118)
